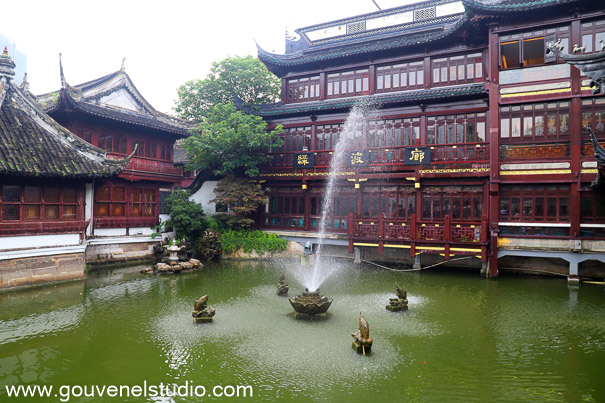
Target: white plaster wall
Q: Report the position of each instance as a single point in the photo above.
(88, 204)
(110, 231)
(39, 241)
(204, 195)
(140, 231)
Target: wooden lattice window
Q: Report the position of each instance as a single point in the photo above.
(142, 202)
(457, 69)
(593, 116)
(394, 132)
(456, 129)
(110, 201)
(593, 36)
(534, 122)
(535, 203)
(460, 203)
(38, 203)
(399, 77)
(592, 207)
(348, 83)
(303, 89)
(295, 139)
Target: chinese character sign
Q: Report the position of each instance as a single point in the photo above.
(358, 158)
(417, 155)
(305, 160)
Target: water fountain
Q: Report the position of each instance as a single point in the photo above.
(353, 126)
(310, 303)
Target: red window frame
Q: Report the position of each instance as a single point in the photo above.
(302, 89)
(348, 83)
(461, 203)
(592, 33)
(459, 69)
(457, 129)
(40, 203)
(541, 122)
(535, 203)
(400, 77)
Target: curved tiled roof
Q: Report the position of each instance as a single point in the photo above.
(394, 98)
(88, 98)
(123, 115)
(511, 6)
(278, 63)
(33, 144)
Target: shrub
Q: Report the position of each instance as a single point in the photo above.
(261, 242)
(186, 216)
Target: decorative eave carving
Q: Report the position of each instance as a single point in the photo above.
(591, 64)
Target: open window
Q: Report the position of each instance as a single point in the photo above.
(522, 53)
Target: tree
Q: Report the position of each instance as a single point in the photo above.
(232, 142)
(247, 77)
(186, 216)
(243, 198)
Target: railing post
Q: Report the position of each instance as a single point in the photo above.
(413, 235)
(380, 233)
(447, 228)
(351, 232)
(483, 236)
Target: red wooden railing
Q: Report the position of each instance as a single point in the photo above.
(467, 238)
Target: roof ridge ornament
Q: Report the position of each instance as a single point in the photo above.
(123, 69)
(63, 82)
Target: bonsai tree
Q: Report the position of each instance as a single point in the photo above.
(242, 197)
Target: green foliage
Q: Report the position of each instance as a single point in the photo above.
(245, 76)
(209, 247)
(186, 216)
(261, 242)
(231, 142)
(243, 198)
(218, 223)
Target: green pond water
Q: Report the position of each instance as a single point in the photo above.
(464, 338)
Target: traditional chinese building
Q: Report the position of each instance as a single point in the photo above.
(110, 113)
(46, 176)
(477, 150)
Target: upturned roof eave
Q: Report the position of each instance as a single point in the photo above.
(279, 110)
(279, 63)
(504, 8)
(68, 101)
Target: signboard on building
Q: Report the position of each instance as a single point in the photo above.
(304, 160)
(417, 155)
(358, 158)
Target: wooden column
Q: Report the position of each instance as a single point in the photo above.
(492, 86)
(322, 86)
(284, 90)
(372, 79)
(428, 77)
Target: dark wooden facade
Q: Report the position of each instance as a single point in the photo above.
(470, 85)
(111, 114)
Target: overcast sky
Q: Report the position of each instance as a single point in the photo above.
(165, 43)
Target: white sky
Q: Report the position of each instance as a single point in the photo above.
(165, 43)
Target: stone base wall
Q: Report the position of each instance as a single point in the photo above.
(41, 269)
(119, 252)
